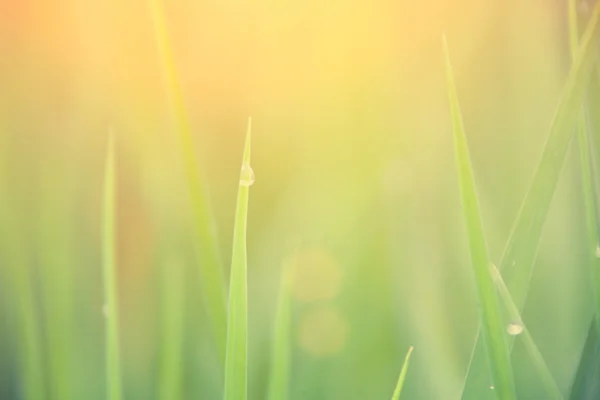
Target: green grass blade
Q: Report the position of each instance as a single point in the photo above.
(280, 357)
(173, 294)
(517, 327)
(236, 361)
(490, 313)
(402, 376)
(517, 262)
(211, 272)
(113, 373)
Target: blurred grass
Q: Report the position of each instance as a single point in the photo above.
(172, 324)
(211, 274)
(236, 364)
(111, 305)
(279, 369)
(402, 376)
(585, 385)
(21, 292)
(491, 317)
(587, 172)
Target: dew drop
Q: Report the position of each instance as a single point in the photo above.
(515, 329)
(105, 311)
(598, 251)
(492, 387)
(246, 175)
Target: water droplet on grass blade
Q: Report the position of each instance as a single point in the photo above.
(105, 311)
(598, 251)
(246, 175)
(515, 329)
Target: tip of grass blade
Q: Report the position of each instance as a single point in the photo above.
(402, 376)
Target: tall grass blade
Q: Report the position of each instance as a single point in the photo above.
(517, 262)
(517, 327)
(236, 361)
(280, 357)
(172, 310)
(211, 272)
(490, 313)
(402, 376)
(113, 373)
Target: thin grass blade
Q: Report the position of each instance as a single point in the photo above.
(402, 376)
(211, 271)
(236, 361)
(113, 373)
(517, 327)
(517, 262)
(490, 313)
(280, 357)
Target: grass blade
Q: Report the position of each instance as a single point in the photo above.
(402, 376)
(518, 328)
(113, 373)
(280, 357)
(172, 325)
(491, 317)
(236, 361)
(517, 262)
(211, 272)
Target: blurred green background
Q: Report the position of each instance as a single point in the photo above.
(352, 150)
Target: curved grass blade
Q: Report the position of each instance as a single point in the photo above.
(172, 325)
(211, 272)
(236, 360)
(491, 317)
(517, 262)
(402, 376)
(113, 373)
(519, 328)
(280, 357)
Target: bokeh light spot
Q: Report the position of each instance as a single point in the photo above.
(323, 332)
